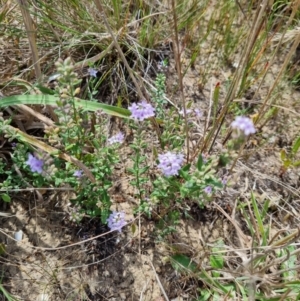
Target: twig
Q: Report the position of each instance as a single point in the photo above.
(158, 281)
(180, 78)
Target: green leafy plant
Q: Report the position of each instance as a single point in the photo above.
(289, 159)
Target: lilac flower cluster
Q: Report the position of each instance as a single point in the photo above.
(170, 163)
(35, 164)
(142, 110)
(77, 173)
(92, 72)
(208, 190)
(118, 138)
(244, 124)
(116, 221)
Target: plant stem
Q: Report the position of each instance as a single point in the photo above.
(180, 77)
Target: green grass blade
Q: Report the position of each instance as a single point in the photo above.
(6, 294)
(296, 146)
(259, 220)
(51, 100)
(216, 259)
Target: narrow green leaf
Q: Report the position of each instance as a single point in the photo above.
(258, 216)
(53, 99)
(296, 164)
(183, 263)
(296, 146)
(214, 182)
(133, 228)
(283, 155)
(2, 249)
(205, 295)
(45, 90)
(7, 295)
(205, 277)
(248, 220)
(143, 170)
(200, 162)
(5, 197)
(186, 167)
(217, 260)
(287, 163)
(216, 95)
(265, 209)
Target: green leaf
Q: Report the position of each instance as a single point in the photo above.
(185, 175)
(287, 163)
(206, 278)
(5, 197)
(282, 155)
(143, 170)
(182, 263)
(205, 295)
(52, 101)
(214, 183)
(45, 90)
(8, 296)
(133, 228)
(296, 146)
(186, 167)
(200, 162)
(2, 249)
(296, 164)
(262, 229)
(217, 260)
(70, 146)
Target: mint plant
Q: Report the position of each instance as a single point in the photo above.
(159, 95)
(139, 113)
(82, 136)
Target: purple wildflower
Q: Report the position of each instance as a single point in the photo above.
(116, 221)
(118, 138)
(13, 144)
(35, 164)
(170, 163)
(224, 181)
(208, 190)
(244, 124)
(141, 110)
(92, 72)
(188, 111)
(77, 173)
(198, 113)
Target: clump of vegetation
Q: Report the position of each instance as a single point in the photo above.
(107, 105)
